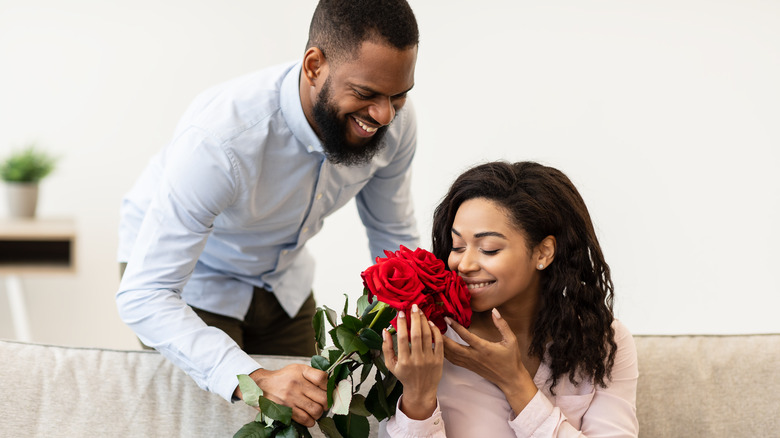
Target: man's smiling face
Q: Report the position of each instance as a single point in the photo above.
(359, 99)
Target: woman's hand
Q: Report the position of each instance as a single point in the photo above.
(418, 364)
(499, 362)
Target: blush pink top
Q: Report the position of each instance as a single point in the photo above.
(470, 406)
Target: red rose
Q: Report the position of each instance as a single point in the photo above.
(432, 307)
(457, 299)
(430, 269)
(394, 281)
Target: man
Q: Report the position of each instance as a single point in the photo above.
(213, 232)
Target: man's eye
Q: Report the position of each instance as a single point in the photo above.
(362, 96)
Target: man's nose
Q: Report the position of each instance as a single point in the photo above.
(382, 111)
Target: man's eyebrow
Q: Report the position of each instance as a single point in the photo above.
(482, 234)
(370, 90)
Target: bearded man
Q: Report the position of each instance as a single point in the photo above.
(213, 234)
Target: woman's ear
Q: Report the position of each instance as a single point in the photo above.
(545, 252)
(314, 65)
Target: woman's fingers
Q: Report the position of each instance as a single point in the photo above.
(403, 336)
(438, 344)
(387, 349)
(508, 336)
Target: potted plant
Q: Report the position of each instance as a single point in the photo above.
(22, 171)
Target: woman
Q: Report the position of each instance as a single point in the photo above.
(544, 355)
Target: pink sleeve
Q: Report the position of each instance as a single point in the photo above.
(611, 413)
(401, 426)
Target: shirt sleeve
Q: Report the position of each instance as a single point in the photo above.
(401, 426)
(612, 411)
(199, 181)
(385, 203)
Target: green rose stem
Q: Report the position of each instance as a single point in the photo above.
(346, 356)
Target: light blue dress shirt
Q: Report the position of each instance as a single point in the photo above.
(230, 203)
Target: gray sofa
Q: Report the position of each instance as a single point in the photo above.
(689, 386)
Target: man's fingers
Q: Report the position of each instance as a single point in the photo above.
(318, 377)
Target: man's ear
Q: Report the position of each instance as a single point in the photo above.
(545, 252)
(315, 66)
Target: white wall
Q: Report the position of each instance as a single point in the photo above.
(664, 113)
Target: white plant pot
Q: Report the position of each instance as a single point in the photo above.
(22, 199)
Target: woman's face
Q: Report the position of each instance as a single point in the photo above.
(493, 257)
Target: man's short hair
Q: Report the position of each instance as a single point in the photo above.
(339, 27)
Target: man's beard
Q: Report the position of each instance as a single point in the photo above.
(333, 134)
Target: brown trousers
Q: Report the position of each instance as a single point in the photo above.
(266, 328)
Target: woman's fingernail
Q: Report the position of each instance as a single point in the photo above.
(401, 314)
(430, 323)
(496, 314)
(448, 320)
(415, 309)
(385, 334)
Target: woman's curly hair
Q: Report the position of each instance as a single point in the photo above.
(574, 323)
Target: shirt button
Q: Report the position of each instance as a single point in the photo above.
(305, 230)
(284, 252)
(319, 196)
(310, 148)
(436, 422)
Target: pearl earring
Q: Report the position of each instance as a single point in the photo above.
(541, 266)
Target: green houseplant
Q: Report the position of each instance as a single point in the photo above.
(22, 171)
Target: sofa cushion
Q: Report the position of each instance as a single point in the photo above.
(82, 392)
(708, 386)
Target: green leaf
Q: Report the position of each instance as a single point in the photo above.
(250, 392)
(373, 405)
(371, 339)
(346, 306)
(349, 341)
(287, 432)
(334, 336)
(331, 314)
(253, 430)
(320, 363)
(379, 317)
(318, 322)
(358, 406)
(328, 427)
(380, 365)
(353, 426)
(276, 411)
(364, 373)
(334, 355)
(352, 323)
(332, 386)
(362, 304)
(342, 397)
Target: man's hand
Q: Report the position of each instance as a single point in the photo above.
(300, 387)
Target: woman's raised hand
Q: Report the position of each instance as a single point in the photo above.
(499, 362)
(418, 363)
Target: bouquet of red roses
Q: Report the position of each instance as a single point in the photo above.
(398, 281)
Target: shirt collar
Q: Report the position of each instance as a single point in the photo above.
(292, 111)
